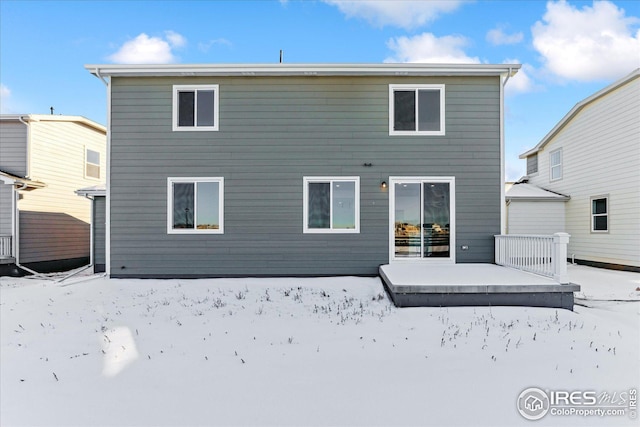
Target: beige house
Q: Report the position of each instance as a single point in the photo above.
(44, 225)
(587, 171)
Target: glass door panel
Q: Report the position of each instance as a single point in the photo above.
(436, 219)
(407, 221)
(422, 215)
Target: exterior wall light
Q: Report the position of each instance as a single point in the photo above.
(383, 185)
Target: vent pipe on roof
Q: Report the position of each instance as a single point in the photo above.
(281, 55)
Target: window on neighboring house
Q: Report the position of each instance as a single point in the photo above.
(555, 164)
(195, 205)
(600, 214)
(92, 164)
(416, 110)
(532, 164)
(195, 108)
(331, 205)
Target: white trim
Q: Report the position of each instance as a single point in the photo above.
(195, 180)
(330, 180)
(107, 208)
(416, 88)
(556, 165)
(593, 215)
(451, 180)
(380, 69)
(503, 205)
(195, 127)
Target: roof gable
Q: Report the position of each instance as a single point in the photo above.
(577, 108)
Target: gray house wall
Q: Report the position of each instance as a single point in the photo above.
(6, 205)
(99, 233)
(273, 131)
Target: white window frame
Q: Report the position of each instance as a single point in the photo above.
(86, 162)
(594, 215)
(451, 180)
(194, 180)
(195, 127)
(416, 87)
(305, 207)
(557, 165)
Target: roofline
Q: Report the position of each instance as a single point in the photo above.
(54, 118)
(381, 69)
(9, 178)
(96, 192)
(577, 108)
(539, 198)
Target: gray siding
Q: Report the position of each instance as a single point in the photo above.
(532, 164)
(99, 229)
(13, 147)
(6, 194)
(274, 131)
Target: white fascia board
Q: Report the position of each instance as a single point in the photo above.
(53, 118)
(303, 70)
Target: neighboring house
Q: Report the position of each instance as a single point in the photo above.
(96, 194)
(592, 156)
(44, 226)
(290, 169)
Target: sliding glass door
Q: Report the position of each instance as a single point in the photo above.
(422, 218)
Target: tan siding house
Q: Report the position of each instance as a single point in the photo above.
(593, 156)
(47, 223)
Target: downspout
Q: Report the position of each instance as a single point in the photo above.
(503, 208)
(107, 208)
(16, 210)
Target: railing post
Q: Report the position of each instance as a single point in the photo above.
(559, 261)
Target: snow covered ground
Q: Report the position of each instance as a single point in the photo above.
(325, 351)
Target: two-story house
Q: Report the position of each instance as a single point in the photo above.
(301, 169)
(44, 225)
(583, 177)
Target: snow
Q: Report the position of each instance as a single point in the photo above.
(326, 351)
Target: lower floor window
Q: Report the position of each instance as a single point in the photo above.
(331, 204)
(599, 214)
(195, 205)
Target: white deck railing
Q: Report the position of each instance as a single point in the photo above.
(544, 255)
(6, 247)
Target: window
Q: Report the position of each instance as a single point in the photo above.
(416, 110)
(331, 205)
(195, 205)
(532, 164)
(195, 108)
(600, 214)
(555, 164)
(92, 164)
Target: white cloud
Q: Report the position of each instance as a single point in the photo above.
(522, 81)
(593, 43)
(149, 50)
(205, 46)
(5, 94)
(401, 13)
(175, 39)
(428, 48)
(497, 36)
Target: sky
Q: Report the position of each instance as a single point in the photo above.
(568, 49)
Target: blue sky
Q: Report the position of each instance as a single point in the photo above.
(569, 50)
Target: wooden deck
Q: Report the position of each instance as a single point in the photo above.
(438, 285)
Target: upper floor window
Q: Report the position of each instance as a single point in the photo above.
(555, 164)
(195, 205)
(92, 164)
(416, 109)
(600, 214)
(331, 205)
(195, 108)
